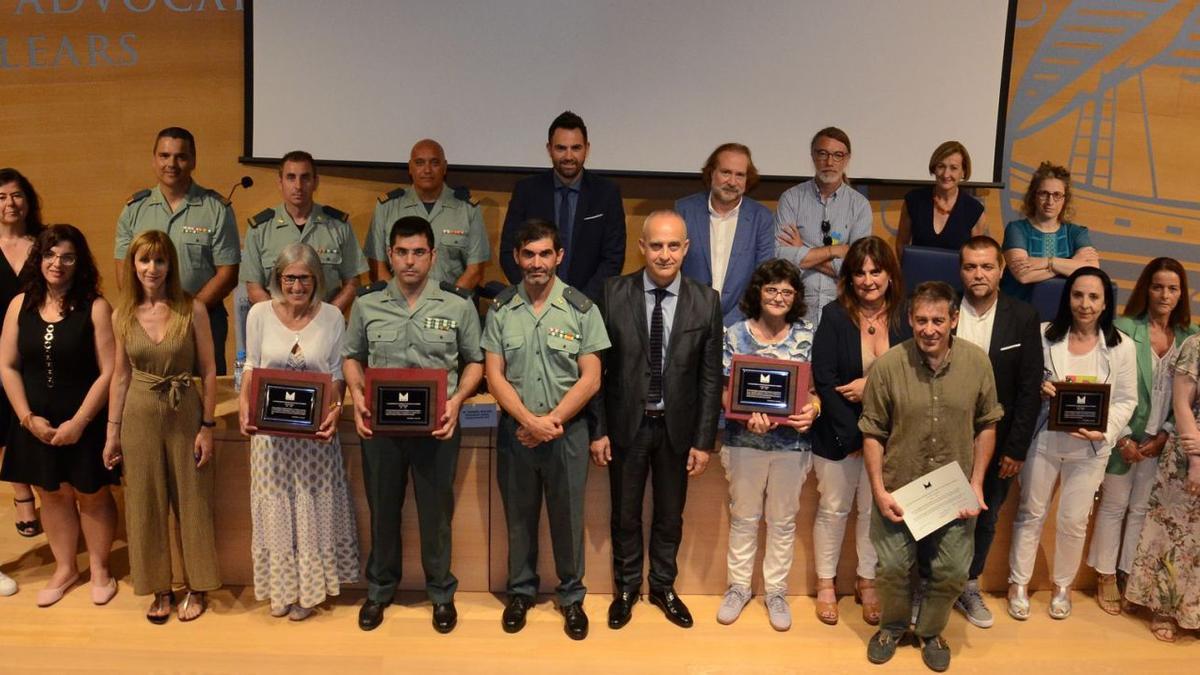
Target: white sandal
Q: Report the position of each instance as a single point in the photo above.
(1018, 602)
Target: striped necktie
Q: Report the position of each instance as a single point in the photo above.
(656, 347)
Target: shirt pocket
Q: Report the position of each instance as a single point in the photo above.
(567, 348)
(196, 247)
(384, 345)
(512, 344)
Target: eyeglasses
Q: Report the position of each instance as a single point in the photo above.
(826, 238)
(773, 292)
(824, 155)
(293, 279)
(66, 260)
(1043, 195)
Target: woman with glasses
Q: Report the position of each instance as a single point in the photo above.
(161, 427)
(56, 360)
(941, 215)
(1045, 244)
(1081, 344)
(304, 542)
(865, 320)
(766, 462)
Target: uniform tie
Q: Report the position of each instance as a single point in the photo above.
(656, 347)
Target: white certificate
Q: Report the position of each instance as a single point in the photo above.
(935, 499)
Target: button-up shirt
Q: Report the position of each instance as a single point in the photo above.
(458, 232)
(332, 239)
(928, 418)
(721, 229)
(668, 310)
(976, 328)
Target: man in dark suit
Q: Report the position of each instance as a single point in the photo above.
(657, 409)
(586, 208)
(1008, 330)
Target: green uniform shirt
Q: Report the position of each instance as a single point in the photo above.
(442, 331)
(541, 353)
(928, 418)
(329, 235)
(458, 233)
(202, 230)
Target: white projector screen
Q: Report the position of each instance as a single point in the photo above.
(658, 82)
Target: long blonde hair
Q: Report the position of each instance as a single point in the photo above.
(153, 242)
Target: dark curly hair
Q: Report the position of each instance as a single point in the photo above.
(770, 272)
(1046, 171)
(85, 284)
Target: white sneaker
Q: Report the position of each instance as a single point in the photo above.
(732, 604)
(8, 585)
(972, 605)
(778, 611)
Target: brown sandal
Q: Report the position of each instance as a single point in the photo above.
(193, 598)
(1108, 596)
(1163, 627)
(870, 610)
(827, 612)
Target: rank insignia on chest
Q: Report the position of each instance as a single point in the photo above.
(455, 232)
(560, 333)
(193, 229)
(433, 323)
(323, 251)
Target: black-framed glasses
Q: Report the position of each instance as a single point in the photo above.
(293, 279)
(826, 238)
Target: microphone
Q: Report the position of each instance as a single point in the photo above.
(245, 182)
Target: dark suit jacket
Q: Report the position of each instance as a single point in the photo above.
(692, 374)
(1016, 356)
(597, 243)
(836, 360)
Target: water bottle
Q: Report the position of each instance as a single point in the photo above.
(238, 364)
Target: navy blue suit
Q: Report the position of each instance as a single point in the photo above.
(753, 244)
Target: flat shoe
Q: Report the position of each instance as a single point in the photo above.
(280, 612)
(299, 613)
(8, 585)
(49, 596)
(160, 619)
(102, 594)
(191, 599)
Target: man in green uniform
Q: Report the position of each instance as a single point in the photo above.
(541, 344)
(411, 321)
(199, 222)
(462, 242)
(301, 219)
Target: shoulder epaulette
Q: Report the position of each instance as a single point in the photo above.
(219, 197)
(504, 296)
(577, 299)
(260, 218)
(389, 196)
(463, 194)
(137, 197)
(336, 214)
(463, 293)
(371, 288)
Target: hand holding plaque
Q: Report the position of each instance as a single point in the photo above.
(776, 388)
(288, 402)
(1079, 405)
(405, 401)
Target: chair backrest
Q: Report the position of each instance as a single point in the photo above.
(923, 263)
(1045, 297)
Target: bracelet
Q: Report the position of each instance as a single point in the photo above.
(335, 404)
(208, 424)
(25, 420)
(117, 424)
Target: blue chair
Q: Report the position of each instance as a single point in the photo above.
(923, 263)
(1046, 295)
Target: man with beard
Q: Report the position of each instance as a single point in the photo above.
(817, 220)
(586, 209)
(730, 234)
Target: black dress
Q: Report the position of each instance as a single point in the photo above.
(959, 223)
(58, 366)
(10, 286)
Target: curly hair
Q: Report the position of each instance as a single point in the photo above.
(1046, 171)
(770, 272)
(85, 283)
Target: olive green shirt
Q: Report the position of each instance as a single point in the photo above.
(202, 230)
(441, 331)
(541, 352)
(458, 233)
(330, 237)
(927, 419)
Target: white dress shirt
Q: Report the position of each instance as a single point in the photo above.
(976, 328)
(721, 229)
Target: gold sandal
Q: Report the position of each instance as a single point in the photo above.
(870, 610)
(1163, 627)
(1108, 596)
(827, 612)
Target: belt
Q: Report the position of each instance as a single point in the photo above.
(655, 414)
(173, 385)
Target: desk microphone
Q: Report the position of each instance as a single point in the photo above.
(245, 182)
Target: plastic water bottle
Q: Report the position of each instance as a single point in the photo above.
(238, 364)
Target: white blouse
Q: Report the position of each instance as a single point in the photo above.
(269, 342)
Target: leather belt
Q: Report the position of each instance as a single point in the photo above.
(656, 414)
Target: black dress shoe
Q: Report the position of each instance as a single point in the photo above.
(576, 624)
(445, 617)
(371, 614)
(677, 612)
(513, 618)
(621, 609)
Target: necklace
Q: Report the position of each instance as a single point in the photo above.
(938, 202)
(871, 321)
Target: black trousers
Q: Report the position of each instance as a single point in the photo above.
(650, 456)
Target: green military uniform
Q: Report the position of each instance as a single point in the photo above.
(327, 231)
(541, 355)
(441, 332)
(457, 224)
(205, 237)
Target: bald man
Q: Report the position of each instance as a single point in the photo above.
(656, 413)
(459, 238)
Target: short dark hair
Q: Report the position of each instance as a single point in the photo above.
(710, 165)
(770, 272)
(85, 284)
(33, 221)
(178, 133)
(534, 229)
(1139, 299)
(980, 242)
(567, 120)
(298, 156)
(410, 226)
(933, 291)
(830, 132)
(1061, 323)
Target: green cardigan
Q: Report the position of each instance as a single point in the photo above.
(1139, 331)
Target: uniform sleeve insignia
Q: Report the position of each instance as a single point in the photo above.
(371, 288)
(389, 196)
(137, 197)
(463, 293)
(577, 299)
(260, 218)
(336, 214)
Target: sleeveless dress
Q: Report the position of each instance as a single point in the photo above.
(58, 366)
(959, 223)
(10, 286)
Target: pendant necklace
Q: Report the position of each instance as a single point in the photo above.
(871, 321)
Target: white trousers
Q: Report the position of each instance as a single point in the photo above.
(763, 482)
(1128, 493)
(1081, 478)
(842, 484)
